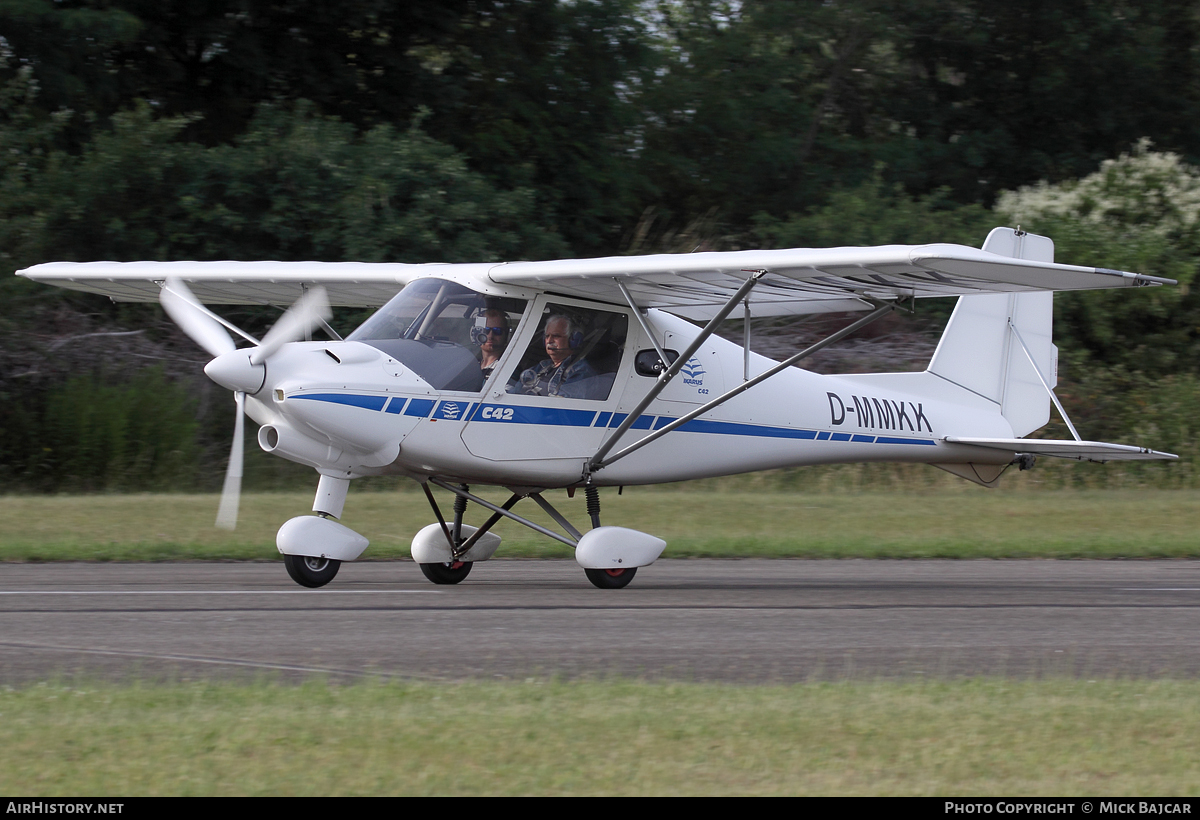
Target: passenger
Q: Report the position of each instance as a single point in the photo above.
(562, 374)
(492, 338)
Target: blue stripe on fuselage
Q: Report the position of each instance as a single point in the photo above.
(733, 428)
(562, 417)
(521, 414)
(419, 407)
(642, 423)
(894, 440)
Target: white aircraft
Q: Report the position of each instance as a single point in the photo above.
(590, 373)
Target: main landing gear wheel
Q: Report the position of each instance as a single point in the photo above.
(311, 572)
(611, 578)
(448, 572)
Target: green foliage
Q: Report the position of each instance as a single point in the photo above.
(1139, 212)
(997, 95)
(71, 49)
(1114, 404)
(215, 61)
(544, 94)
(538, 94)
(876, 213)
(763, 107)
(301, 186)
(1129, 363)
(603, 108)
(295, 186)
(92, 434)
(116, 200)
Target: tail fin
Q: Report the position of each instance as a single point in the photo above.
(980, 352)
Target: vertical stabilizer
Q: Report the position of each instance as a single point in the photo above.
(980, 352)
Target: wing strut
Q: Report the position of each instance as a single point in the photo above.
(664, 378)
(637, 314)
(598, 461)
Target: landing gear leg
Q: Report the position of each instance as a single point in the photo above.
(610, 555)
(449, 572)
(317, 571)
(460, 509)
(604, 578)
(593, 504)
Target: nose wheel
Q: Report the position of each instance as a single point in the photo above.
(311, 572)
(610, 578)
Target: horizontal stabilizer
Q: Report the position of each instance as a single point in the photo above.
(1097, 451)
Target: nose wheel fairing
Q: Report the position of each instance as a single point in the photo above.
(430, 546)
(315, 537)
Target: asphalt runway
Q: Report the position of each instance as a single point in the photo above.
(745, 621)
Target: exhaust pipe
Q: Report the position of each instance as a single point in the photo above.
(286, 442)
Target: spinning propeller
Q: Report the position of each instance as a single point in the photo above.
(240, 370)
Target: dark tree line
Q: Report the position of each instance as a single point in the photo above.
(605, 108)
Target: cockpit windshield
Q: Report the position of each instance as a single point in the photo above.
(447, 334)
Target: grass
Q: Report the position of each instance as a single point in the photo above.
(967, 523)
(968, 737)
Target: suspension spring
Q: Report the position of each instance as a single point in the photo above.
(460, 507)
(593, 504)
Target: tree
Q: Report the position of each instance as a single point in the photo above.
(220, 59)
(543, 94)
(998, 95)
(1139, 212)
(764, 107)
(535, 94)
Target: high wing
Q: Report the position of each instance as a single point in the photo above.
(348, 284)
(801, 281)
(695, 286)
(1097, 451)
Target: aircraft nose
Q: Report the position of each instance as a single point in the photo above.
(234, 371)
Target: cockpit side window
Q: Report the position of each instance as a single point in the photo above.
(574, 354)
(448, 334)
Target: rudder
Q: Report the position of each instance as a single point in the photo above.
(979, 351)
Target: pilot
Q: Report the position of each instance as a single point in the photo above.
(492, 338)
(563, 374)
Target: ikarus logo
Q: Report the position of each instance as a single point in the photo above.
(693, 372)
(449, 410)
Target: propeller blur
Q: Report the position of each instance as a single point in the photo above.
(239, 370)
